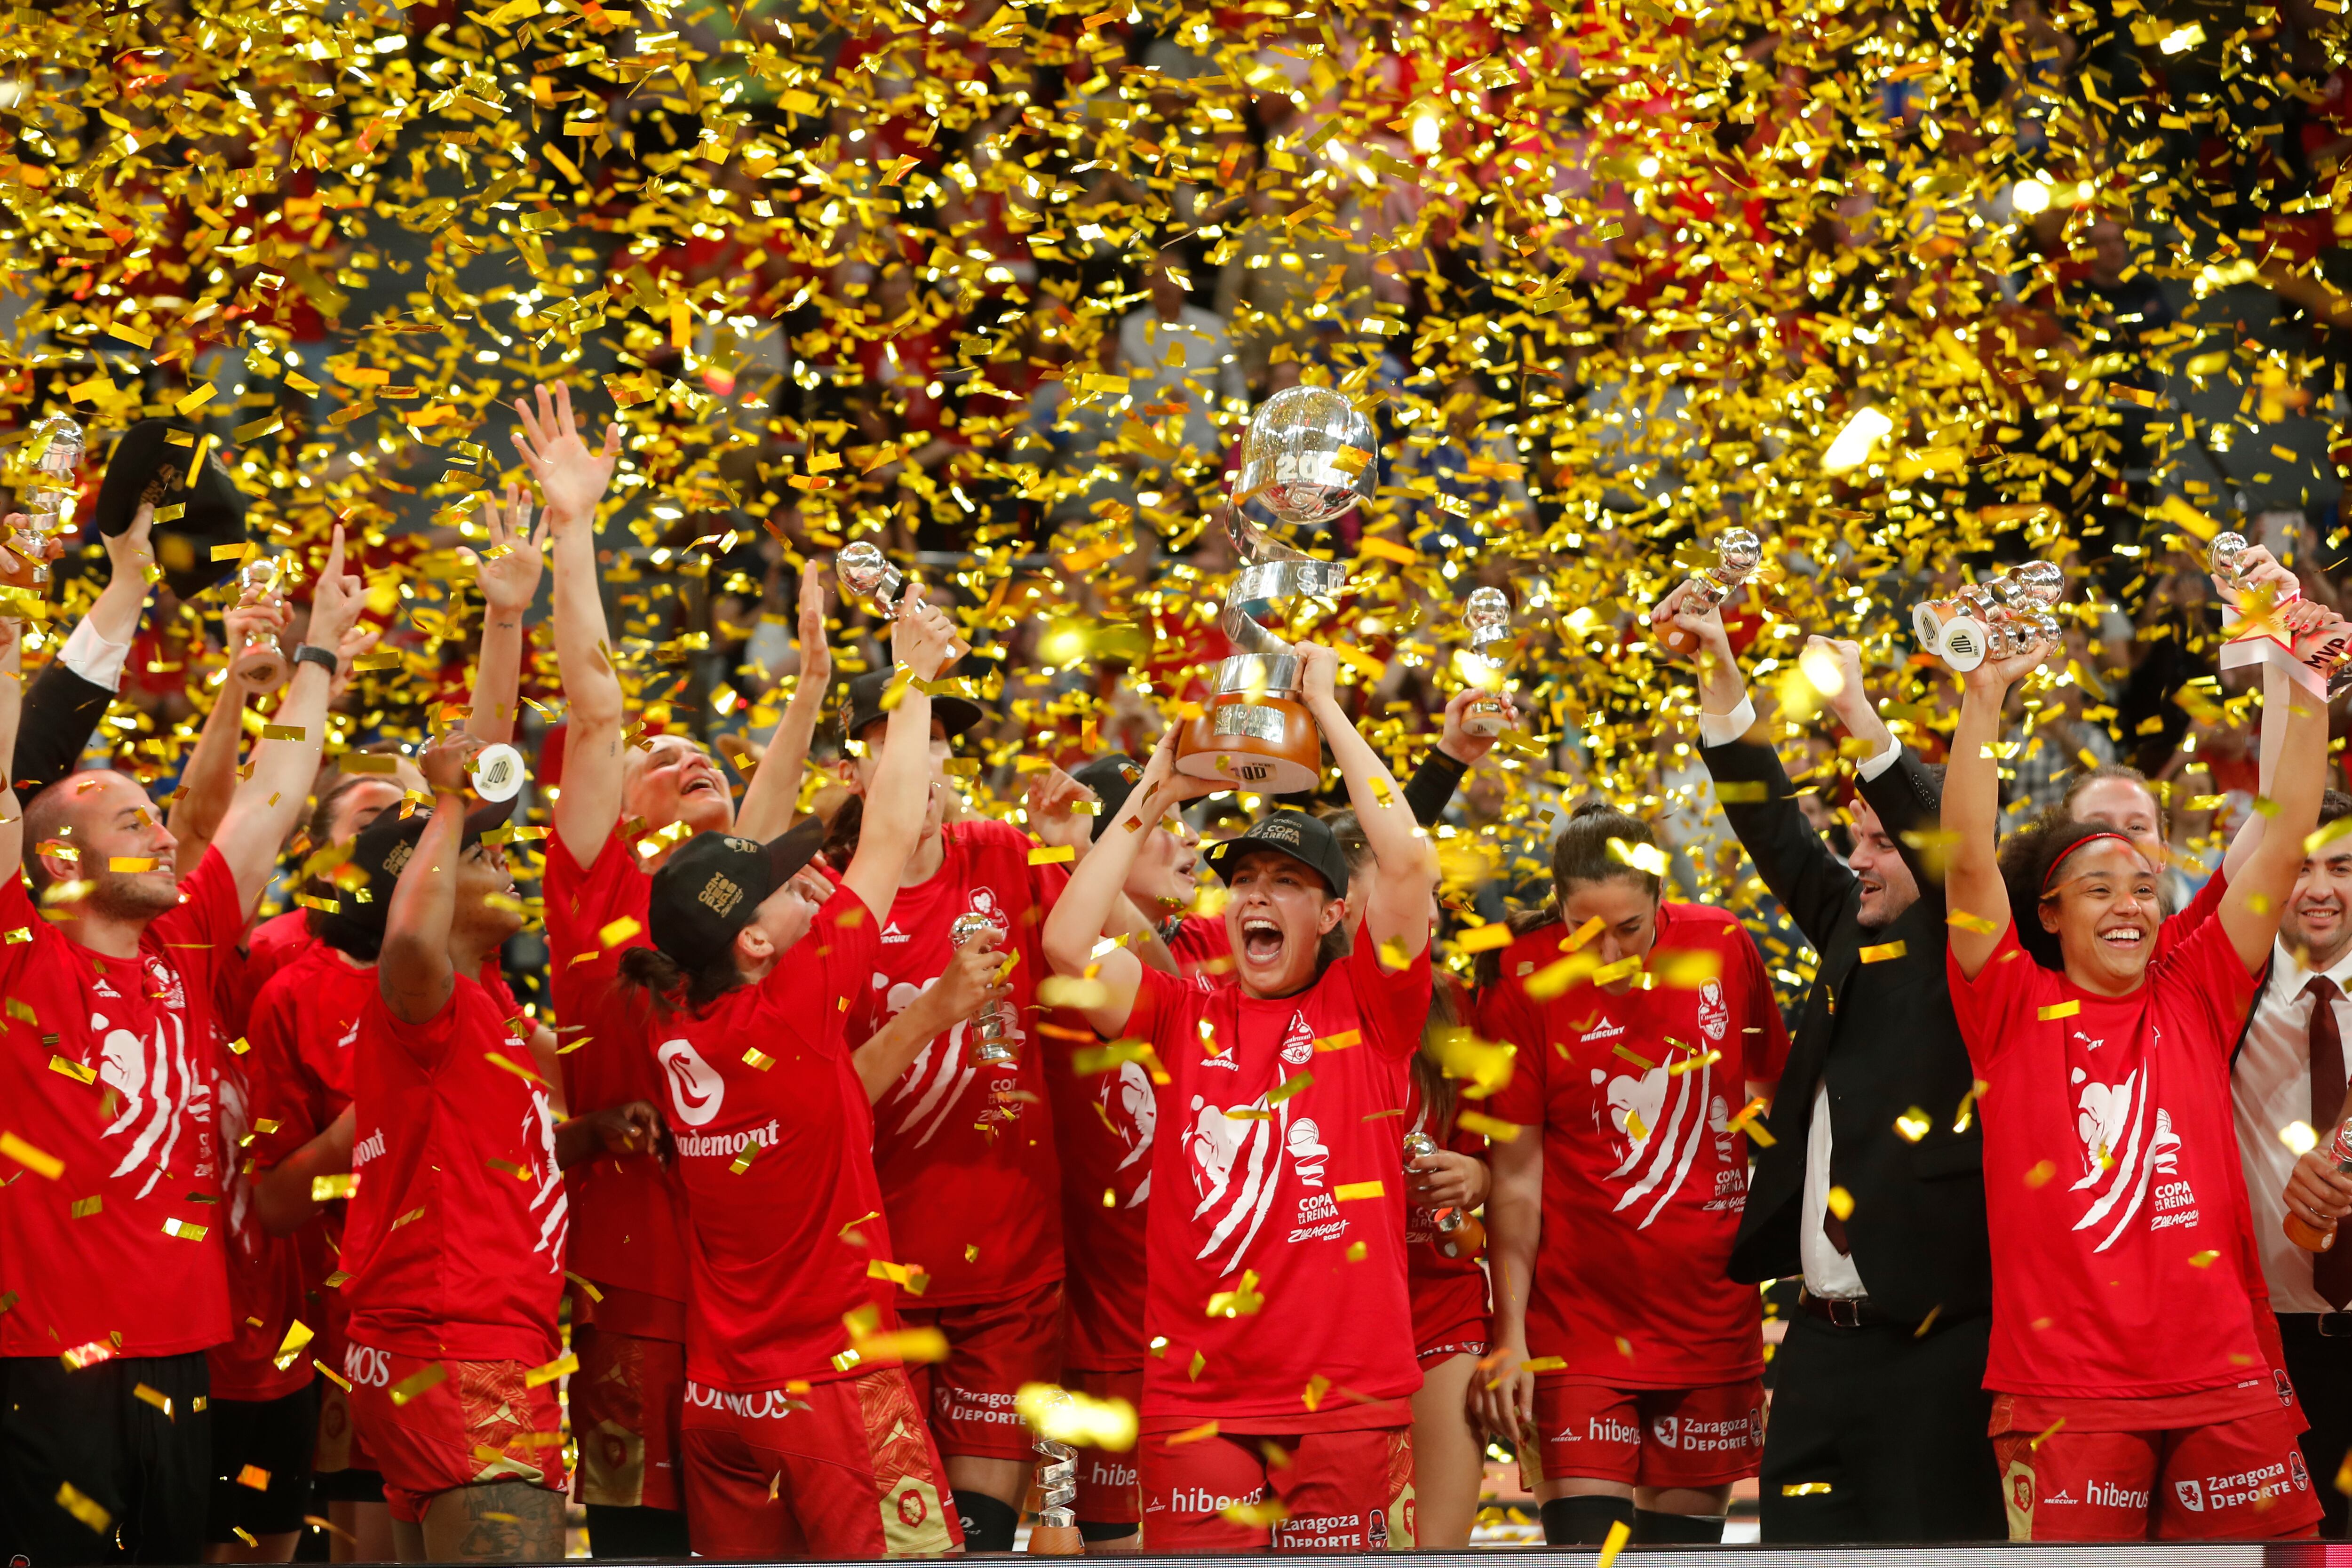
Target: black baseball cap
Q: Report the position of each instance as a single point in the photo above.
(381, 850)
(1113, 778)
(1305, 839)
(862, 705)
(149, 469)
(713, 884)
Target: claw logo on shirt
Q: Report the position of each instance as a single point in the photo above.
(2122, 1153)
(1132, 1112)
(695, 1089)
(162, 1099)
(1660, 1117)
(1236, 1164)
(1714, 1017)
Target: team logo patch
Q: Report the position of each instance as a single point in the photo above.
(2192, 1493)
(695, 1089)
(1299, 1041)
(2017, 1499)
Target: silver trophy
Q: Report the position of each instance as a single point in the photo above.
(1738, 554)
(1958, 631)
(57, 445)
(864, 571)
(1055, 1531)
(261, 664)
(1487, 618)
(1309, 458)
(1458, 1234)
(989, 1027)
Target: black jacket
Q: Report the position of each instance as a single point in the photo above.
(1882, 1037)
(60, 712)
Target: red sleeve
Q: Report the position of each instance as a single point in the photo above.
(1766, 1050)
(2204, 981)
(439, 1034)
(1506, 1016)
(1996, 1008)
(1160, 998)
(828, 967)
(2179, 928)
(1394, 1004)
(282, 1086)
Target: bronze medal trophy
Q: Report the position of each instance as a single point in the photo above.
(1308, 456)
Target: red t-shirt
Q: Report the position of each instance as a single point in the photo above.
(109, 1068)
(2108, 1152)
(1283, 1157)
(1103, 1125)
(304, 1032)
(627, 1213)
(1447, 1293)
(965, 1149)
(1202, 945)
(781, 1246)
(1640, 1165)
(275, 943)
(454, 1238)
(266, 1275)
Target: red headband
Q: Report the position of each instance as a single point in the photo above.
(2050, 874)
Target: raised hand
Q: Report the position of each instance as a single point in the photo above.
(508, 569)
(354, 643)
(1462, 745)
(923, 639)
(571, 479)
(446, 763)
(336, 602)
(1053, 799)
(258, 612)
(1999, 674)
(1685, 610)
(816, 652)
(132, 551)
(970, 982)
(1318, 669)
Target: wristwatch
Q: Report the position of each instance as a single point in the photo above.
(310, 654)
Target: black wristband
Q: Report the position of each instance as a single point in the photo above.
(1431, 789)
(310, 654)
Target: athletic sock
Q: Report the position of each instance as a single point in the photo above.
(988, 1524)
(1678, 1529)
(1584, 1520)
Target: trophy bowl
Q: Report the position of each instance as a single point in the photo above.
(1309, 456)
(261, 663)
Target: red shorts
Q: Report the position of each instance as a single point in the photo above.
(479, 1423)
(1466, 1338)
(1707, 1437)
(624, 1408)
(1340, 1492)
(843, 1470)
(1108, 1490)
(993, 1347)
(2243, 1479)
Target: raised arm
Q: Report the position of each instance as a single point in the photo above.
(1078, 916)
(71, 693)
(1439, 773)
(770, 799)
(972, 978)
(1396, 910)
(413, 974)
(208, 783)
(507, 573)
(2259, 891)
(1971, 819)
(11, 700)
(921, 644)
(571, 481)
(272, 798)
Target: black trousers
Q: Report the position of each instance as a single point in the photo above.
(2321, 1367)
(1878, 1435)
(142, 1475)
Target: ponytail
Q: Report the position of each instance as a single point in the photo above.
(667, 984)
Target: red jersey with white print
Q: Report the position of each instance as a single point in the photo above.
(965, 1148)
(784, 1223)
(1276, 1240)
(109, 1069)
(2109, 1145)
(455, 1236)
(1633, 1096)
(266, 1280)
(1104, 1114)
(1202, 945)
(626, 1234)
(275, 943)
(304, 1031)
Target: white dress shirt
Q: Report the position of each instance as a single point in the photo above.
(1829, 1273)
(93, 658)
(2269, 1088)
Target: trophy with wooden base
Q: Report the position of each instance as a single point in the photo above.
(1309, 457)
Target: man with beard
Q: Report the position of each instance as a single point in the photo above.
(2290, 1067)
(109, 1241)
(1879, 1417)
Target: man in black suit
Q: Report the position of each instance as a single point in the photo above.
(1872, 1188)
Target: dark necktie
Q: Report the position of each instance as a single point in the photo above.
(2331, 1271)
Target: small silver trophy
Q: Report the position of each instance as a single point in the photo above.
(1738, 554)
(864, 573)
(1488, 617)
(1458, 1234)
(1055, 1531)
(1958, 631)
(57, 445)
(260, 664)
(1309, 456)
(989, 1027)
